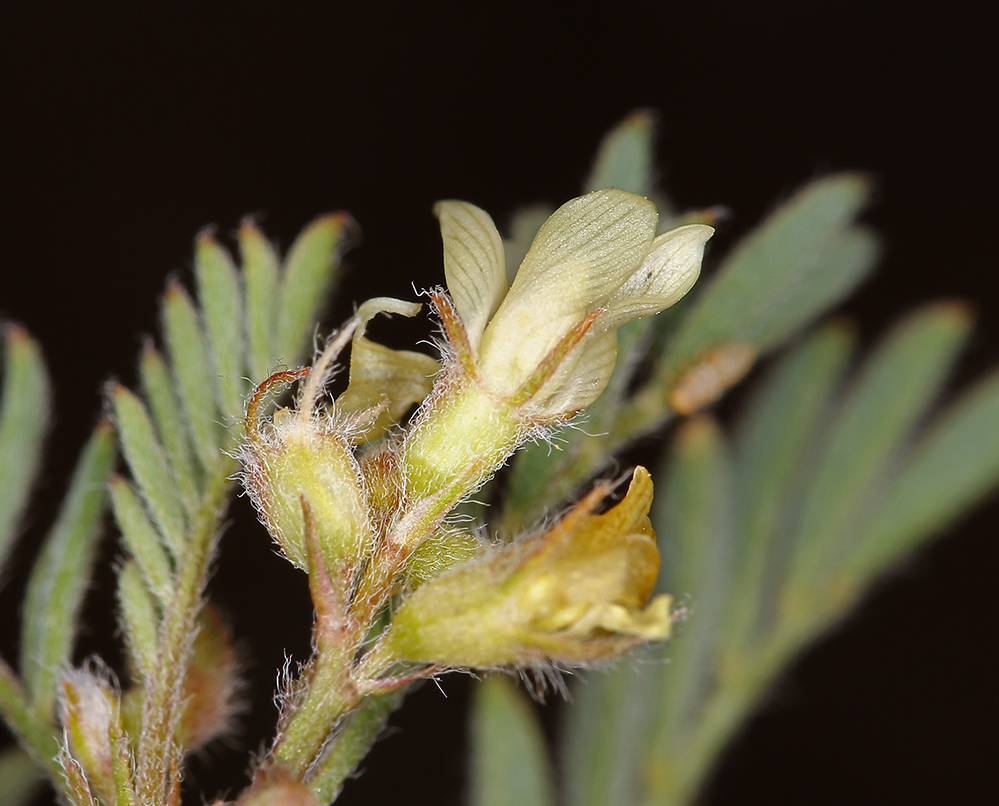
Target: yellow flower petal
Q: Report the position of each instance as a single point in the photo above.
(582, 377)
(474, 265)
(583, 254)
(664, 277)
(379, 375)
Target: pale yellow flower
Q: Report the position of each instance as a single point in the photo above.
(548, 339)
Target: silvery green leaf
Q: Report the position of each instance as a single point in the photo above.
(20, 777)
(948, 469)
(310, 272)
(604, 734)
(24, 410)
(624, 159)
(799, 262)
(170, 426)
(776, 439)
(62, 572)
(139, 618)
(509, 760)
(195, 381)
(220, 296)
(141, 539)
(892, 393)
(261, 268)
(148, 463)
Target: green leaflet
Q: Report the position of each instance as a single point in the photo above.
(220, 295)
(694, 523)
(261, 267)
(34, 731)
(775, 440)
(62, 572)
(892, 393)
(157, 387)
(141, 539)
(947, 471)
(306, 283)
(624, 158)
(509, 763)
(24, 413)
(20, 777)
(351, 743)
(190, 362)
(148, 464)
(604, 735)
(139, 618)
(784, 273)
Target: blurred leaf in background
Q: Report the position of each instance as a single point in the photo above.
(771, 530)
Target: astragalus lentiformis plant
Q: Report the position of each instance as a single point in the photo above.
(762, 534)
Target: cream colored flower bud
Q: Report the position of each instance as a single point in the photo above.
(88, 710)
(548, 341)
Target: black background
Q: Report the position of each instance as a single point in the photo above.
(126, 131)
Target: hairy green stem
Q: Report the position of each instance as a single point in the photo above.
(352, 742)
(164, 704)
(326, 695)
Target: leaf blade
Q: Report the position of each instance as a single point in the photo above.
(624, 158)
(141, 539)
(261, 269)
(62, 572)
(24, 414)
(893, 391)
(148, 463)
(772, 444)
(604, 734)
(697, 540)
(307, 281)
(189, 360)
(950, 468)
(797, 263)
(170, 426)
(509, 760)
(20, 777)
(220, 296)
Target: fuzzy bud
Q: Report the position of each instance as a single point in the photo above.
(301, 454)
(88, 710)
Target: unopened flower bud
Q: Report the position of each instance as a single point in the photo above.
(88, 710)
(296, 455)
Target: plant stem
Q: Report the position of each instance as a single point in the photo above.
(164, 704)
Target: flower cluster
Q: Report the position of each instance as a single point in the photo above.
(361, 503)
